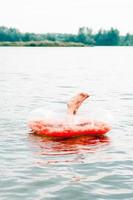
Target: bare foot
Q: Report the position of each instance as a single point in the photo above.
(74, 104)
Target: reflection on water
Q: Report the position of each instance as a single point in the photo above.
(58, 147)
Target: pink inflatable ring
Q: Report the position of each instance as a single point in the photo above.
(58, 129)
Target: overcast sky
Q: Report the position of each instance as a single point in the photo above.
(66, 15)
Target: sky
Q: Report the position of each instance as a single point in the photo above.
(66, 16)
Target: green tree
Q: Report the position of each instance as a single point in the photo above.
(128, 40)
(107, 38)
(85, 36)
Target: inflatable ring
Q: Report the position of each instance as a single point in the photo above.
(66, 130)
(59, 130)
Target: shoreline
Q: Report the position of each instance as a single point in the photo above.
(42, 44)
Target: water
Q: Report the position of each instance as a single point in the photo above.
(38, 168)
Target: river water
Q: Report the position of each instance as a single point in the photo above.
(34, 168)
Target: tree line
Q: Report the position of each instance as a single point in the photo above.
(84, 36)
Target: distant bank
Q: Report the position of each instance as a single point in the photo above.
(84, 37)
(42, 44)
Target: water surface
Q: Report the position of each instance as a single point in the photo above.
(38, 168)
